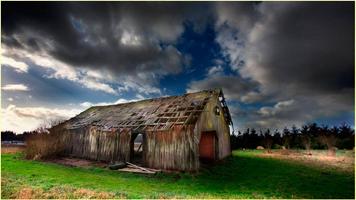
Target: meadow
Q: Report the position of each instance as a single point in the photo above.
(246, 174)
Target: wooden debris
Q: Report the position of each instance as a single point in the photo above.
(135, 170)
(154, 170)
(138, 167)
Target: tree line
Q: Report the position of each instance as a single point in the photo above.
(309, 136)
(11, 136)
(42, 128)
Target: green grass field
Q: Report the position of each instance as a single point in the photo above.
(243, 175)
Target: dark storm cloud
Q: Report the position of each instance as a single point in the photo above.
(234, 87)
(306, 47)
(305, 53)
(296, 52)
(125, 38)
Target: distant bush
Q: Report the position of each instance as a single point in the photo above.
(277, 146)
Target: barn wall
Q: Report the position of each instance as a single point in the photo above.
(209, 121)
(91, 143)
(175, 149)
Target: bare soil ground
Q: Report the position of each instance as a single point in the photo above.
(345, 162)
(11, 148)
(76, 162)
(61, 193)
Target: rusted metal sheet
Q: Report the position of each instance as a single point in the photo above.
(207, 146)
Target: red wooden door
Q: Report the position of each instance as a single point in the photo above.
(207, 145)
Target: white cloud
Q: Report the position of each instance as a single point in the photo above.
(58, 68)
(143, 83)
(86, 104)
(87, 78)
(19, 66)
(130, 39)
(232, 46)
(15, 87)
(95, 85)
(97, 74)
(21, 119)
(278, 107)
(139, 96)
(215, 70)
(119, 101)
(252, 97)
(10, 99)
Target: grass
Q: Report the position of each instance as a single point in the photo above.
(243, 175)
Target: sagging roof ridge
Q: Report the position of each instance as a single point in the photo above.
(159, 98)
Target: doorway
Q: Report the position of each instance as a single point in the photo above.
(136, 149)
(208, 146)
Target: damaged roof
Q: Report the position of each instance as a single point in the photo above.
(154, 114)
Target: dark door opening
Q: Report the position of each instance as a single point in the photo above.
(136, 148)
(208, 146)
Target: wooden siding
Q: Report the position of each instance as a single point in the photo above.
(173, 149)
(94, 144)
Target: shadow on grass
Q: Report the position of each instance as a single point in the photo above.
(248, 176)
(243, 175)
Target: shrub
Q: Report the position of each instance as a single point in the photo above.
(329, 140)
(44, 143)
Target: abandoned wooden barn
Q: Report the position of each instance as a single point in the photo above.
(176, 132)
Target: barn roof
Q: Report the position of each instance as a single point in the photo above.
(154, 114)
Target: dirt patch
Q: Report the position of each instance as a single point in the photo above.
(76, 162)
(343, 163)
(63, 193)
(16, 189)
(11, 148)
(25, 193)
(85, 193)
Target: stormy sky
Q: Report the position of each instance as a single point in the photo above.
(278, 63)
